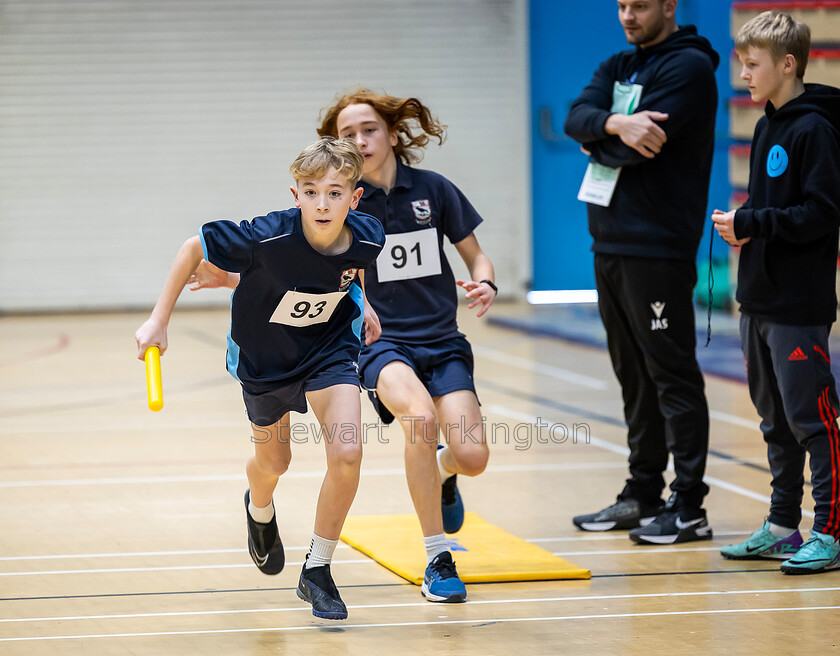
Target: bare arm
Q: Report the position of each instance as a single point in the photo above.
(480, 268)
(153, 331)
(209, 276)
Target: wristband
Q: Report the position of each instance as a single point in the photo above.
(492, 286)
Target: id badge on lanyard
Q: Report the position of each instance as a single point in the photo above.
(599, 181)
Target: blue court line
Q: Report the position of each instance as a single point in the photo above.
(722, 358)
(612, 421)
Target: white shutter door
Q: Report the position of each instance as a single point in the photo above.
(125, 125)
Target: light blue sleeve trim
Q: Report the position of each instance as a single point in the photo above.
(358, 298)
(232, 347)
(203, 245)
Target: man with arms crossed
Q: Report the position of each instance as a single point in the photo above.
(647, 121)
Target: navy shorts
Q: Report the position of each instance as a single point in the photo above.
(443, 367)
(267, 408)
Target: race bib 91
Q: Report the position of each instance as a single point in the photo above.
(299, 309)
(409, 255)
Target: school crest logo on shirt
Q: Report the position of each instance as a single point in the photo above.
(347, 276)
(422, 211)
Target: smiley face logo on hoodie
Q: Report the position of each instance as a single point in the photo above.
(777, 161)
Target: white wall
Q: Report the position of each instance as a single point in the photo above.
(125, 125)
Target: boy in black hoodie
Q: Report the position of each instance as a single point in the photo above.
(648, 121)
(788, 230)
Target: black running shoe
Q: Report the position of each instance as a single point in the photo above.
(623, 514)
(669, 527)
(316, 587)
(264, 543)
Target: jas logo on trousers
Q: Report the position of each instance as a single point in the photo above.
(658, 322)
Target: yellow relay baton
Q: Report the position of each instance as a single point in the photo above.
(154, 387)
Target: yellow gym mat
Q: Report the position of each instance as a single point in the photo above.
(484, 553)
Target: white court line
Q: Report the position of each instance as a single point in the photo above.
(424, 604)
(489, 620)
(208, 478)
(175, 568)
(490, 407)
(221, 478)
(735, 420)
(635, 552)
(624, 451)
(134, 554)
(588, 537)
(546, 370)
(596, 537)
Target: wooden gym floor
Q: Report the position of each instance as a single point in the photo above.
(122, 531)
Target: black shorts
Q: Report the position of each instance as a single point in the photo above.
(443, 367)
(267, 408)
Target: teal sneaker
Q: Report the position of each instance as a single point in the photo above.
(441, 581)
(819, 554)
(763, 545)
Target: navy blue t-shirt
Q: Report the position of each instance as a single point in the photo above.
(411, 286)
(295, 310)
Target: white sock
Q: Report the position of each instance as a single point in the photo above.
(781, 531)
(261, 515)
(444, 473)
(320, 551)
(435, 544)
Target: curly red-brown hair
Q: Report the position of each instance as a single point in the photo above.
(401, 115)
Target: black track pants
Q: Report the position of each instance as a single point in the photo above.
(793, 390)
(647, 308)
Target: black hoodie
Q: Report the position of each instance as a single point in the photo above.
(788, 268)
(659, 205)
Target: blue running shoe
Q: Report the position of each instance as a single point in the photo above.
(762, 545)
(441, 582)
(451, 506)
(819, 554)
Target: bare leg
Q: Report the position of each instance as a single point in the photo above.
(463, 426)
(339, 409)
(408, 400)
(271, 459)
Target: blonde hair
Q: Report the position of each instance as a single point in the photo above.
(778, 33)
(328, 152)
(401, 115)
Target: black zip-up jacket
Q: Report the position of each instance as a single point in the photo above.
(659, 205)
(788, 268)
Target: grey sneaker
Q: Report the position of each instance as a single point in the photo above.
(623, 514)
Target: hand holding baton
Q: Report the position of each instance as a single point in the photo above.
(154, 387)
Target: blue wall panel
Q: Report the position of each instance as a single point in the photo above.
(568, 41)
